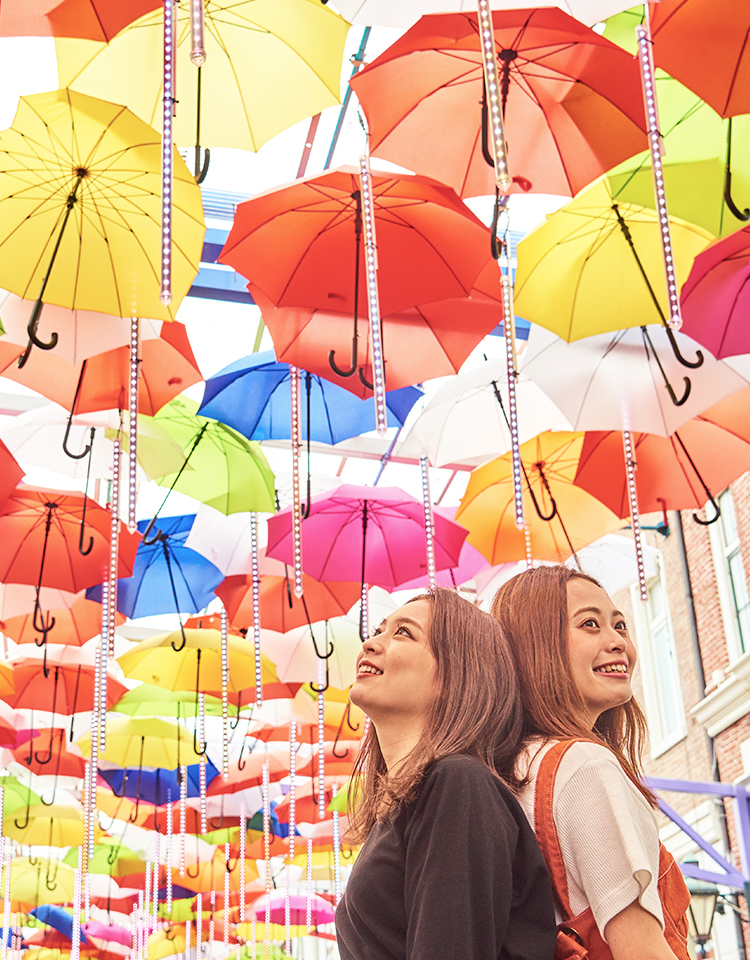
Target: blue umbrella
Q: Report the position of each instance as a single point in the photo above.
(157, 785)
(252, 395)
(168, 577)
(58, 918)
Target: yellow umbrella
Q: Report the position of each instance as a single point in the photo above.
(165, 943)
(50, 826)
(68, 154)
(558, 520)
(7, 684)
(143, 742)
(578, 274)
(31, 885)
(269, 64)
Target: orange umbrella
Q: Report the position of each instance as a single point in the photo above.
(86, 19)
(571, 99)
(306, 801)
(560, 517)
(280, 610)
(102, 382)
(248, 772)
(68, 689)
(339, 759)
(45, 754)
(74, 625)
(11, 474)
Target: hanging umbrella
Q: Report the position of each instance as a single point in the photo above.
(714, 297)
(252, 395)
(11, 473)
(299, 906)
(250, 772)
(73, 625)
(111, 857)
(45, 754)
(92, 19)
(157, 785)
(306, 800)
(571, 101)
(67, 156)
(280, 609)
(704, 45)
(596, 265)
(295, 652)
(420, 342)
(466, 420)
(226, 471)
(67, 689)
(560, 517)
(32, 884)
(291, 49)
(617, 381)
(150, 700)
(430, 246)
(167, 577)
(57, 918)
(470, 562)
(110, 932)
(227, 540)
(17, 599)
(376, 532)
(51, 826)
(142, 742)
(394, 13)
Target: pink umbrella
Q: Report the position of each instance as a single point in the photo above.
(470, 562)
(112, 932)
(322, 911)
(716, 296)
(374, 534)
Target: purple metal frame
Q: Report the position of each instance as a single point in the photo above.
(731, 877)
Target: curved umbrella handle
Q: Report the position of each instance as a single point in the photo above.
(363, 379)
(22, 826)
(337, 369)
(739, 214)
(678, 401)
(234, 723)
(693, 364)
(201, 169)
(538, 509)
(317, 689)
(75, 456)
(714, 518)
(193, 876)
(241, 764)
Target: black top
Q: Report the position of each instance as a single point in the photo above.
(454, 875)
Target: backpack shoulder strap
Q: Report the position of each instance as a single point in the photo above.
(544, 823)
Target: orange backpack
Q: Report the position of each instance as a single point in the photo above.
(578, 938)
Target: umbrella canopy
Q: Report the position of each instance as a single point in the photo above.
(298, 243)
(290, 49)
(376, 531)
(73, 625)
(616, 381)
(226, 471)
(65, 144)
(470, 562)
(51, 826)
(40, 533)
(157, 786)
(111, 857)
(560, 517)
(252, 395)
(68, 688)
(704, 45)
(45, 754)
(57, 918)
(280, 609)
(716, 296)
(11, 473)
(571, 101)
(322, 911)
(167, 577)
(394, 13)
(295, 652)
(32, 884)
(16, 599)
(250, 774)
(142, 742)
(580, 272)
(150, 700)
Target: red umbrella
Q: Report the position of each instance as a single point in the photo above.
(298, 244)
(250, 774)
(339, 759)
(45, 754)
(86, 19)
(68, 689)
(704, 44)
(280, 610)
(101, 382)
(73, 625)
(716, 296)
(572, 101)
(11, 473)
(306, 801)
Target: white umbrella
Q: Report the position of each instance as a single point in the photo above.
(294, 654)
(17, 599)
(613, 382)
(403, 13)
(464, 423)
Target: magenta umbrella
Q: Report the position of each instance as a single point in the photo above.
(716, 296)
(470, 562)
(372, 534)
(322, 911)
(112, 932)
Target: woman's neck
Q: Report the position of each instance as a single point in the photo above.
(396, 742)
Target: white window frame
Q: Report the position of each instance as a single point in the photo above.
(660, 740)
(724, 587)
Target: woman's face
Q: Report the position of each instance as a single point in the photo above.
(602, 655)
(396, 670)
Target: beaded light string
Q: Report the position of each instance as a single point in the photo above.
(509, 330)
(139, 925)
(188, 931)
(183, 805)
(197, 33)
(133, 420)
(292, 785)
(646, 61)
(226, 895)
(429, 527)
(253, 938)
(224, 694)
(168, 108)
(364, 612)
(198, 922)
(211, 926)
(86, 881)
(527, 546)
(256, 608)
(243, 831)
(336, 856)
(168, 858)
(635, 519)
(492, 86)
(267, 858)
(321, 740)
(75, 948)
(294, 384)
(287, 915)
(6, 904)
(202, 778)
(309, 892)
(373, 296)
(157, 864)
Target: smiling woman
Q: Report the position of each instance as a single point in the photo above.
(450, 867)
(619, 892)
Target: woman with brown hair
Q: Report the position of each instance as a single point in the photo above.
(617, 890)
(449, 867)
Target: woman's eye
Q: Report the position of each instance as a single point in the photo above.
(590, 623)
(403, 629)
(621, 625)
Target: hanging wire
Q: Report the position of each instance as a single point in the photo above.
(294, 383)
(492, 86)
(509, 331)
(635, 519)
(429, 527)
(202, 776)
(224, 694)
(168, 110)
(656, 146)
(188, 931)
(256, 608)
(373, 297)
(364, 612)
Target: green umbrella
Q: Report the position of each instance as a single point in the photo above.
(221, 468)
(695, 158)
(16, 795)
(149, 700)
(111, 856)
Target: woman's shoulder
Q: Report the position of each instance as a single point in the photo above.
(464, 774)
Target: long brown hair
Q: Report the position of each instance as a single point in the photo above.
(477, 711)
(532, 610)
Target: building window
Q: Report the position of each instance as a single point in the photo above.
(659, 672)
(730, 577)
